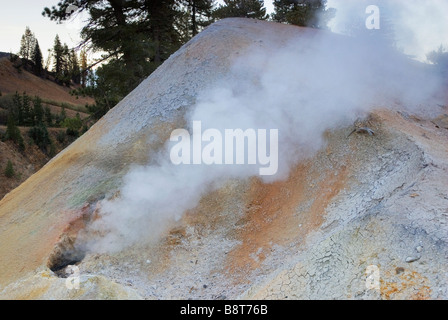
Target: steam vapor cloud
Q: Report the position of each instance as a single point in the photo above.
(301, 90)
(418, 26)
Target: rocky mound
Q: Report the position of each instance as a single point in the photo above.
(357, 211)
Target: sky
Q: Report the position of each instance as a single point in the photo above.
(420, 26)
(17, 14)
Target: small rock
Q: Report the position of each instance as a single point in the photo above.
(419, 249)
(204, 286)
(411, 259)
(399, 270)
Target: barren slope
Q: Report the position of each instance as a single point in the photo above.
(11, 81)
(362, 200)
(54, 96)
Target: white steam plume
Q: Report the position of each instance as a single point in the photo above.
(300, 90)
(418, 26)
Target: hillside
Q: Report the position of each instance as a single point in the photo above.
(54, 96)
(11, 80)
(357, 209)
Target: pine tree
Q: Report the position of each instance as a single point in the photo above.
(27, 45)
(74, 69)
(241, 8)
(9, 170)
(37, 60)
(40, 136)
(48, 116)
(160, 20)
(66, 66)
(58, 57)
(52, 151)
(84, 68)
(61, 116)
(13, 132)
(439, 58)
(304, 13)
(198, 15)
(28, 114)
(18, 109)
(121, 30)
(38, 111)
(11, 129)
(136, 36)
